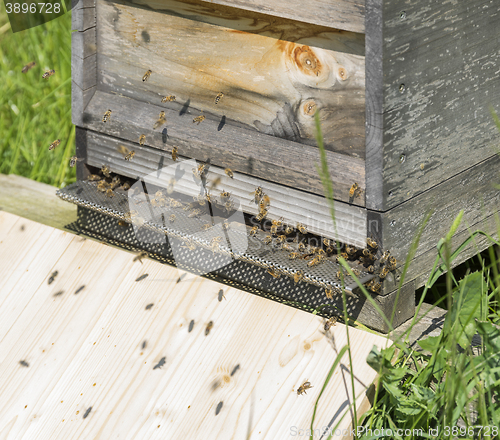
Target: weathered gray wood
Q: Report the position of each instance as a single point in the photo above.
(82, 171)
(274, 73)
(291, 204)
(344, 14)
(84, 71)
(245, 151)
(374, 105)
(82, 19)
(83, 44)
(82, 4)
(446, 55)
(79, 101)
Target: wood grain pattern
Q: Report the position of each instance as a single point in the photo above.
(82, 18)
(79, 101)
(244, 151)
(293, 205)
(274, 73)
(446, 55)
(90, 352)
(83, 44)
(84, 71)
(344, 14)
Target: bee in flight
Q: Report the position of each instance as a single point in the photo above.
(161, 120)
(128, 155)
(106, 116)
(147, 75)
(209, 327)
(54, 144)
(142, 139)
(305, 386)
(168, 98)
(73, 160)
(218, 97)
(48, 74)
(198, 119)
(28, 67)
(174, 154)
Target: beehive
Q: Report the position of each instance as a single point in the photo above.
(402, 89)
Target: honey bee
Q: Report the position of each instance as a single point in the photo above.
(142, 139)
(128, 155)
(225, 225)
(174, 154)
(106, 171)
(215, 182)
(302, 229)
(383, 272)
(261, 215)
(288, 230)
(229, 173)
(372, 243)
(287, 247)
(344, 255)
(293, 255)
(172, 218)
(370, 269)
(168, 98)
(215, 247)
(356, 272)
(73, 160)
(298, 276)
(330, 322)
(265, 201)
(106, 116)
(28, 67)
(209, 327)
(320, 251)
(253, 231)
(147, 75)
(366, 252)
(229, 206)
(140, 256)
(54, 144)
(327, 242)
(102, 186)
(315, 261)
(384, 257)
(392, 263)
(115, 183)
(48, 74)
(110, 193)
(268, 239)
(218, 97)
(302, 247)
(274, 272)
(351, 250)
(199, 119)
(94, 177)
(329, 295)
(257, 194)
(225, 195)
(339, 274)
(355, 191)
(302, 389)
(200, 171)
(281, 239)
(374, 286)
(161, 120)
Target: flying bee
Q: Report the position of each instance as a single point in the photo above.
(216, 240)
(302, 389)
(268, 239)
(209, 327)
(329, 295)
(215, 247)
(265, 201)
(302, 229)
(140, 256)
(298, 276)
(199, 199)
(288, 230)
(142, 139)
(261, 215)
(168, 98)
(174, 154)
(28, 67)
(371, 243)
(274, 272)
(229, 173)
(128, 155)
(54, 144)
(198, 119)
(172, 218)
(106, 116)
(73, 160)
(218, 97)
(48, 74)
(106, 171)
(147, 75)
(161, 120)
(383, 272)
(384, 257)
(215, 182)
(122, 223)
(293, 255)
(257, 194)
(94, 178)
(253, 231)
(330, 322)
(200, 171)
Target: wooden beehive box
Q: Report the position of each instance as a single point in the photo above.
(403, 89)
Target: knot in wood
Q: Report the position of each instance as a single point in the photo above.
(309, 107)
(306, 60)
(342, 73)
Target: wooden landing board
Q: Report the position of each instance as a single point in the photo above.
(96, 347)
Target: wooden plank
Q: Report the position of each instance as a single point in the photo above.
(274, 73)
(446, 55)
(374, 164)
(84, 71)
(79, 101)
(82, 18)
(345, 14)
(90, 353)
(83, 44)
(82, 4)
(243, 151)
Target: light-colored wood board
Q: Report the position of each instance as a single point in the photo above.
(345, 14)
(35, 201)
(446, 55)
(274, 73)
(83, 44)
(256, 154)
(85, 351)
(291, 204)
(82, 18)
(84, 71)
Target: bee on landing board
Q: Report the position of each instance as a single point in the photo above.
(168, 98)
(106, 116)
(128, 155)
(354, 192)
(253, 231)
(198, 119)
(385, 256)
(161, 120)
(28, 67)
(302, 229)
(142, 139)
(302, 389)
(299, 276)
(73, 160)
(257, 194)
(218, 97)
(94, 178)
(147, 75)
(54, 144)
(371, 243)
(174, 154)
(48, 74)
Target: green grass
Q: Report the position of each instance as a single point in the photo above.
(35, 112)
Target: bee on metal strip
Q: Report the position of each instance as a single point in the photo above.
(147, 75)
